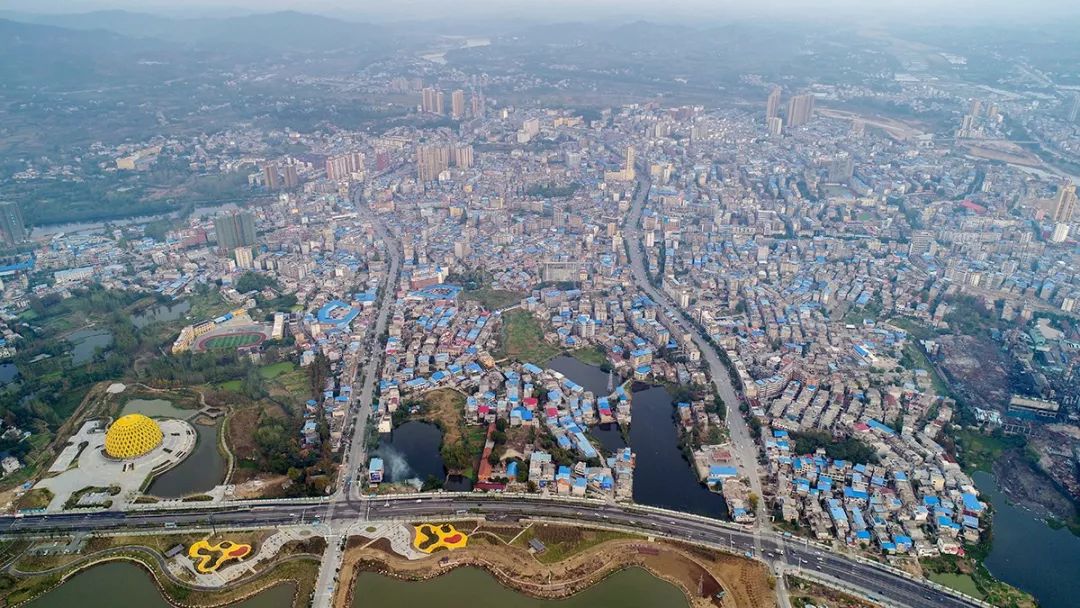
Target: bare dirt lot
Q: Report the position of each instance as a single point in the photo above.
(444, 407)
(977, 369)
(1032, 489)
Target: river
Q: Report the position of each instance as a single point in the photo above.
(1029, 554)
(475, 588)
(461, 42)
(662, 477)
(125, 585)
(201, 471)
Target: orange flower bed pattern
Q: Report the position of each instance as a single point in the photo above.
(208, 558)
(432, 537)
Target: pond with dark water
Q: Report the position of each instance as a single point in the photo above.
(202, 470)
(411, 451)
(85, 342)
(662, 476)
(125, 585)
(8, 373)
(590, 377)
(160, 313)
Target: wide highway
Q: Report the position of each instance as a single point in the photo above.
(355, 452)
(371, 351)
(345, 511)
(873, 580)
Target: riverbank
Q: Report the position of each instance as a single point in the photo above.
(700, 574)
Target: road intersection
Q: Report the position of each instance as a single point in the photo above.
(873, 580)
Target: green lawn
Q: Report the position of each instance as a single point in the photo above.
(961, 582)
(913, 327)
(207, 306)
(295, 381)
(523, 338)
(918, 357)
(560, 544)
(978, 452)
(590, 355)
(276, 369)
(231, 385)
(231, 341)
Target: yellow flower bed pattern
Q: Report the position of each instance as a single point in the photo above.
(432, 537)
(208, 558)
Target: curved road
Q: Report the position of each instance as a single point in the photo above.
(346, 509)
(744, 447)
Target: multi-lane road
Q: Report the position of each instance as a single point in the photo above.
(360, 410)
(362, 399)
(345, 510)
(875, 581)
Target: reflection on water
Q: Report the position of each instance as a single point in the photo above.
(590, 377)
(475, 588)
(86, 341)
(662, 477)
(125, 585)
(1029, 554)
(202, 470)
(411, 452)
(156, 408)
(160, 313)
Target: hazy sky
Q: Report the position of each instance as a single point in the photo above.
(958, 11)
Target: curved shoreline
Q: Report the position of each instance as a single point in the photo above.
(513, 585)
(553, 588)
(223, 443)
(90, 562)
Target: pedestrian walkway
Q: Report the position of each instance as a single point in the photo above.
(399, 535)
(183, 567)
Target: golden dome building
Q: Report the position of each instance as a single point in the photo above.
(132, 436)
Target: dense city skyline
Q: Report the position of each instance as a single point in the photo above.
(752, 304)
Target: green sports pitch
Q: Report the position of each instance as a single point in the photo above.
(230, 341)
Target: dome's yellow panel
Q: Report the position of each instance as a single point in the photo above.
(131, 436)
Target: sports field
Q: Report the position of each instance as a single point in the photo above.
(230, 341)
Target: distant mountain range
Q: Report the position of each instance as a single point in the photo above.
(280, 31)
(44, 56)
(110, 48)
